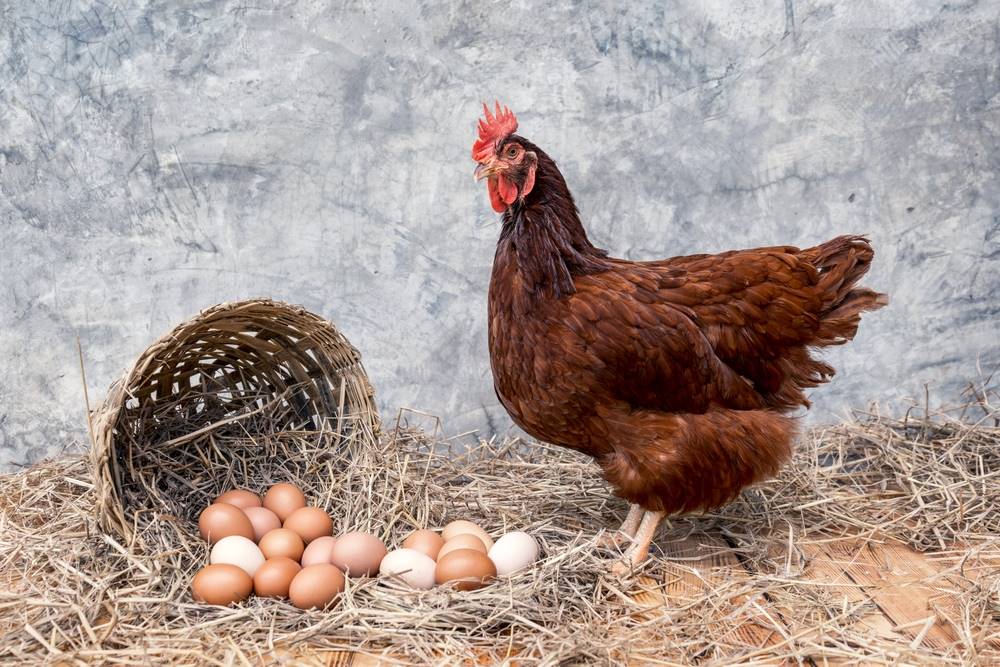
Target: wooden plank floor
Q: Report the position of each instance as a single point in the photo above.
(899, 594)
(706, 564)
(893, 576)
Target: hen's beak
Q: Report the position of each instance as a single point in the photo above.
(484, 170)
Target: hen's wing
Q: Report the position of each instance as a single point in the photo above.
(761, 310)
(628, 342)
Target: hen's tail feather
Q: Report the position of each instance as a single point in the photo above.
(842, 262)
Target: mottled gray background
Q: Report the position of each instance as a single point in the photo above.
(155, 160)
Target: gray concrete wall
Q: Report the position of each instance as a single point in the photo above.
(156, 159)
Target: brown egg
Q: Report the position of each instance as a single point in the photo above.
(461, 527)
(263, 521)
(221, 584)
(282, 542)
(240, 498)
(358, 554)
(425, 541)
(220, 520)
(283, 499)
(318, 551)
(463, 541)
(316, 586)
(309, 523)
(274, 577)
(467, 568)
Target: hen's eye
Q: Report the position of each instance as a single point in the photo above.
(512, 152)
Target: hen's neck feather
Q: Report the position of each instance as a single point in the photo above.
(542, 237)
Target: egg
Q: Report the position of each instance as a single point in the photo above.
(239, 551)
(468, 569)
(425, 541)
(316, 586)
(358, 554)
(463, 541)
(240, 498)
(220, 520)
(221, 584)
(413, 567)
(282, 542)
(283, 499)
(309, 523)
(263, 521)
(514, 551)
(461, 526)
(274, 577)
(318, 551)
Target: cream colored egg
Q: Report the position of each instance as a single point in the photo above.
(463, 541)
(514, 551)
(239, 551)
(409, 565)
(461, 527)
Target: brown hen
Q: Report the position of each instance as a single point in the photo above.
(677, 374)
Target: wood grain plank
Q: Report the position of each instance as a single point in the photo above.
(901, 583)
(705, 563)
(826, 572)
(969, 568)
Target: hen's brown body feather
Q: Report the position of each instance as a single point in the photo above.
(674, 374)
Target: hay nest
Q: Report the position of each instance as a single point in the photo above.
(248, 367)
(80, 594)
(287, 400)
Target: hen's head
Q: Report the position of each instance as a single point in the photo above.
(504, 159)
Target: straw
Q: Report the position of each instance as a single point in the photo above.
(78, 594)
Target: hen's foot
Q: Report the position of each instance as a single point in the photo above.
(623, 536)
(639, 550)
(621, 569)
(614, 540)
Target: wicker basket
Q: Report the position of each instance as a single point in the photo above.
(238, 367)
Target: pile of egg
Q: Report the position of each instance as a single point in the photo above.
(280, 547)
(463, 554)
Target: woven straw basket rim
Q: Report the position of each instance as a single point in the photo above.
(288, 355)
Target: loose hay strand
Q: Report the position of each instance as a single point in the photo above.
(78, 594)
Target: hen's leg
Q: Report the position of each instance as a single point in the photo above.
(631, 522)
(640, 545)
(627, 530)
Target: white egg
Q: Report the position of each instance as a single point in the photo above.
(514, 551)
(239, 551)
(412, 566)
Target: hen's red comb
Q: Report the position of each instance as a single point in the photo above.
(492, 128)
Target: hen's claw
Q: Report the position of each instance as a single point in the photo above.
(620, 569)
(614, 540)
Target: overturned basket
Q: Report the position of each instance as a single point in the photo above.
(237, 369)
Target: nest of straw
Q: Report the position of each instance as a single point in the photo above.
(79, 594)
(97, 553)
